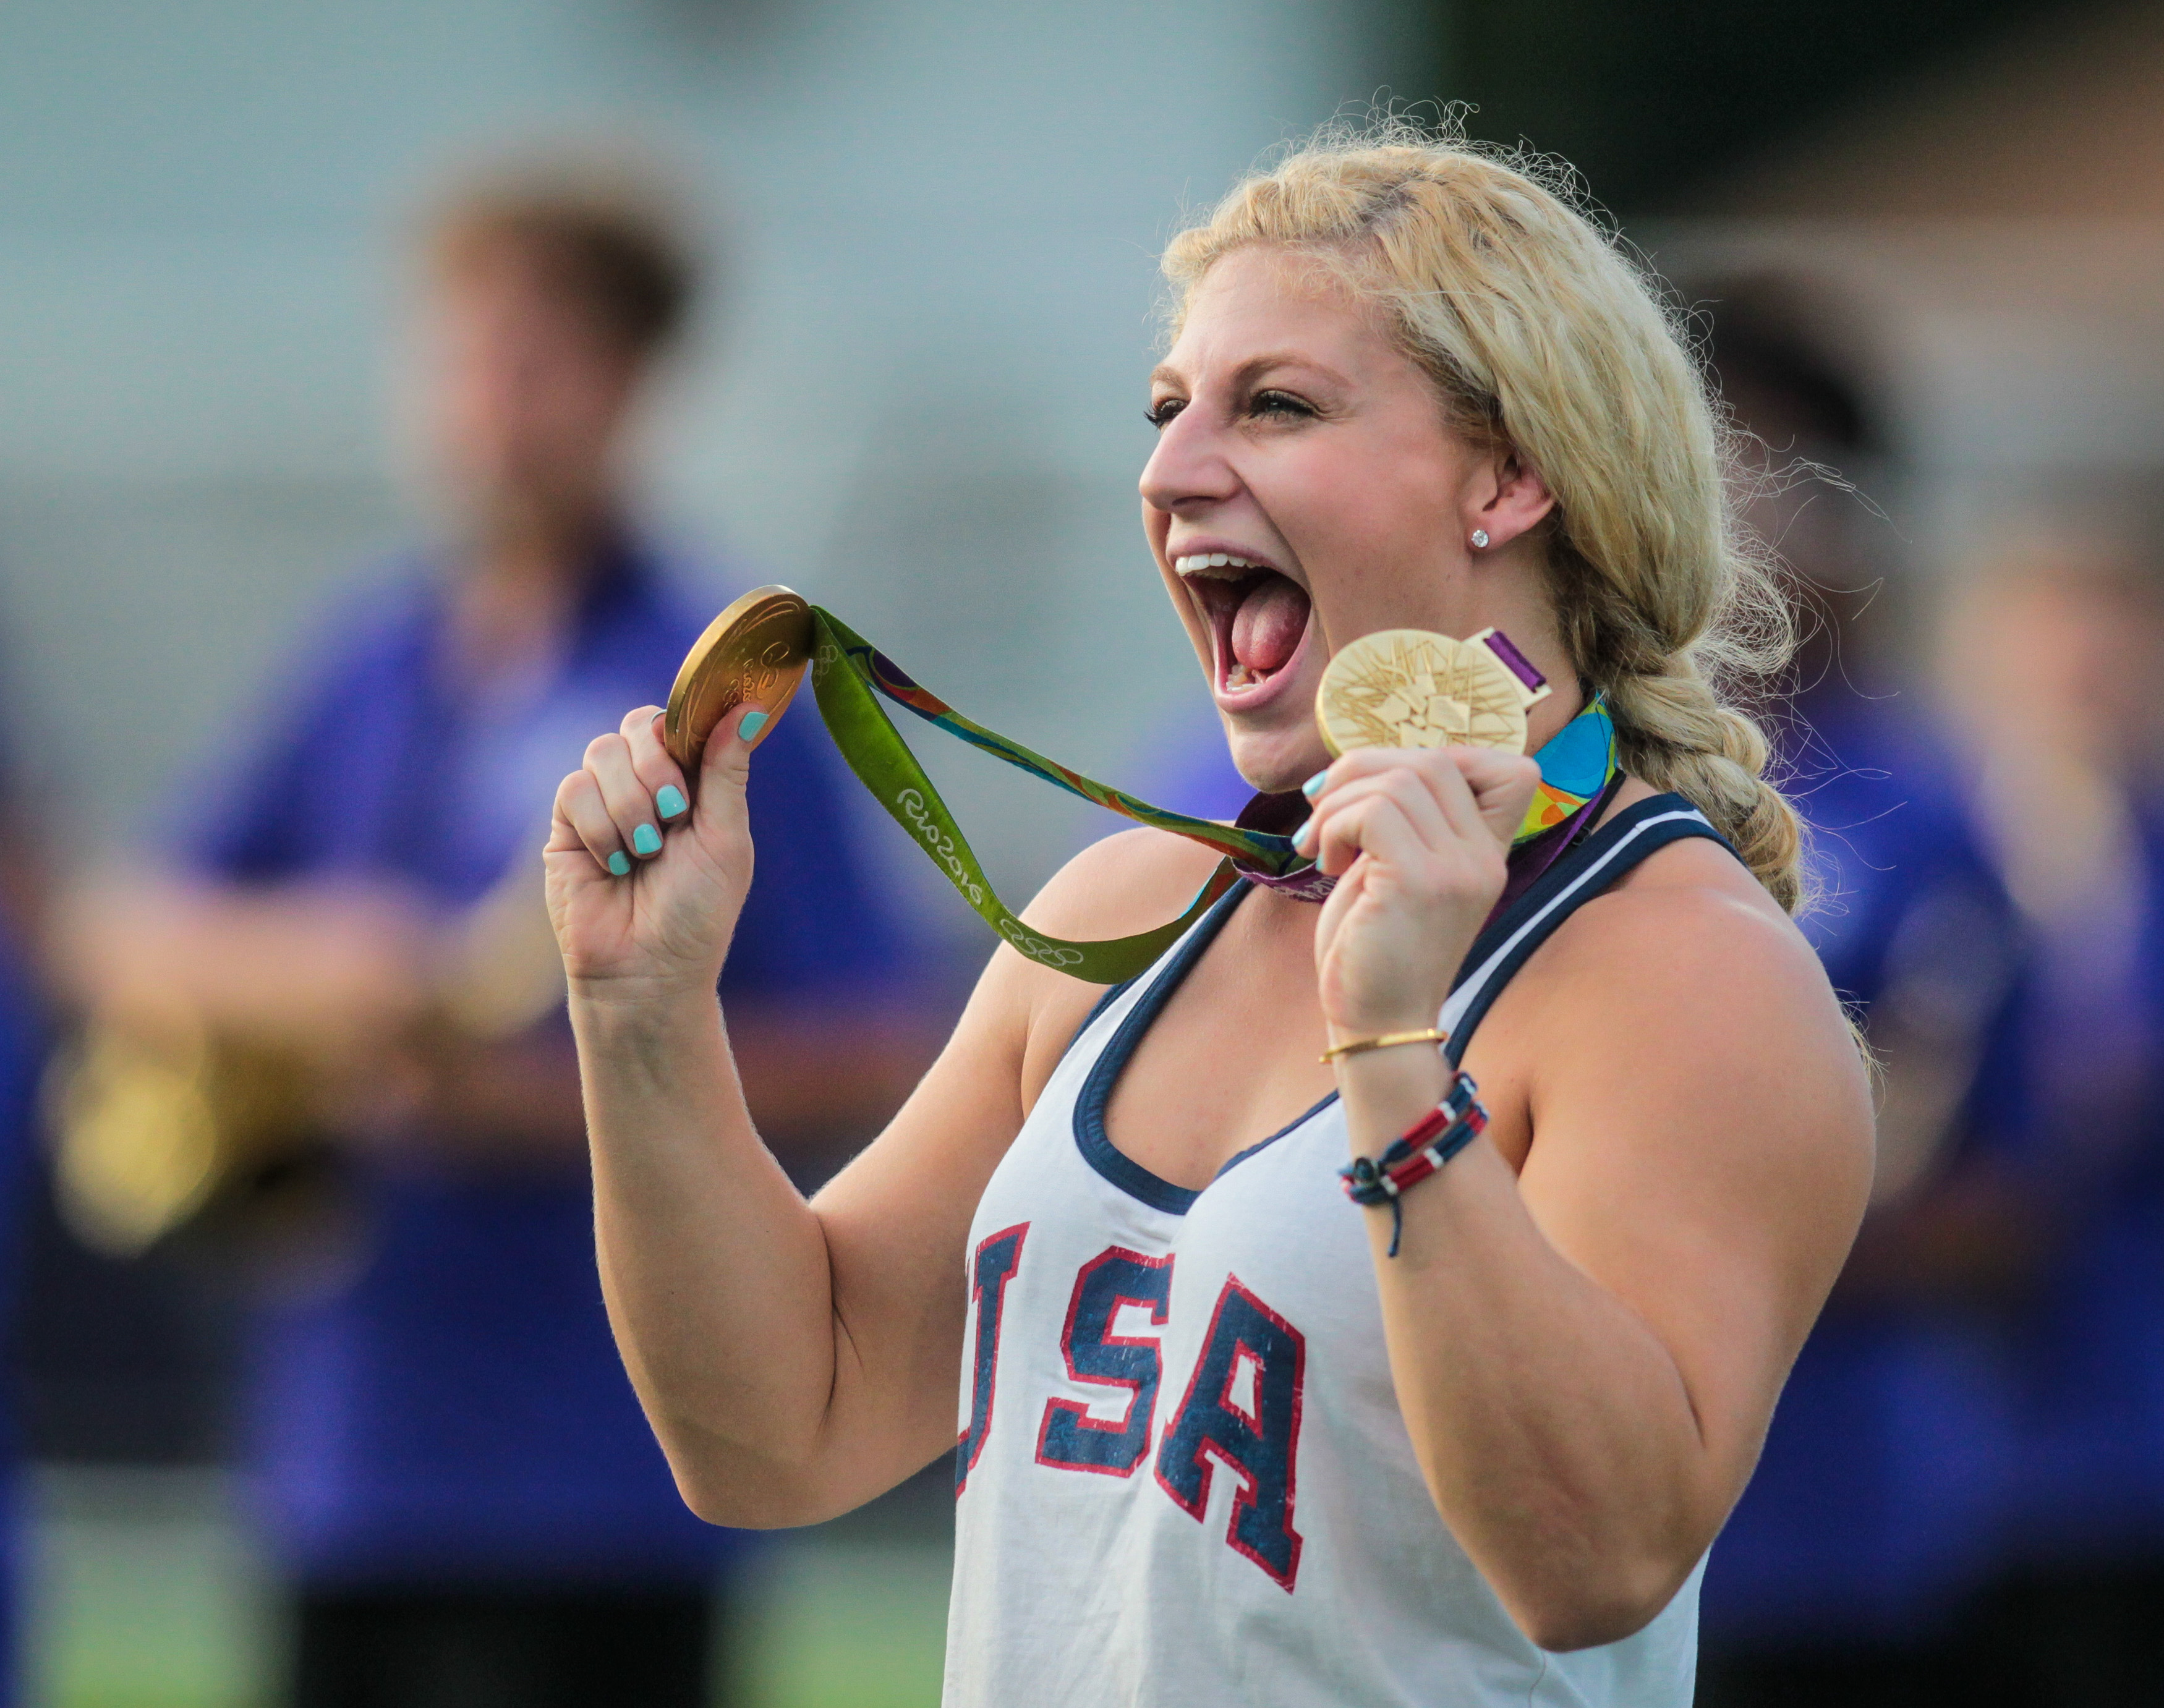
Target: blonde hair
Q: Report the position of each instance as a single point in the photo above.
(1540, 334)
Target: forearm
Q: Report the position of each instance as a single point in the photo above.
(1554, 1428)
(714, 1269)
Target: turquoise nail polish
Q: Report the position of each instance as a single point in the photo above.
(619, 864)
(646, 840)
(753, 723)
(671, 801)
(1313, 786)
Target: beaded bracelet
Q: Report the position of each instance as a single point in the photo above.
(1437, 1136)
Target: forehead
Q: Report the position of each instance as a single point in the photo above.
(510, 297)
(1268, 300)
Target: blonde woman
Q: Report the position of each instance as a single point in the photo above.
(1226, 1434)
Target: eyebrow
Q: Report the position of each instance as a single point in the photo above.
(1165, 374)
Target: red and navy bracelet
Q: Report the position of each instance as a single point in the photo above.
(1437, 1136)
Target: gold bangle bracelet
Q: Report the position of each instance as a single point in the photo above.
(1388, 1040)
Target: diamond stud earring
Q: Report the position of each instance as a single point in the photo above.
(1479, 539)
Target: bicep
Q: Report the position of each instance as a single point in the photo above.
(1703, 1154)
(896, 1219)
(896, 1222)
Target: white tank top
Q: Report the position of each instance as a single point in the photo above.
(1183, 1480)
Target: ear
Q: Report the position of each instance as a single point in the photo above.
(1508, 498)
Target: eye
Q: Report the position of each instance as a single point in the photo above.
(1159, 414)
(1281, 405)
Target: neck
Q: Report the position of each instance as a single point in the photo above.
(1508, 591)
(1534, 635)
(514, 603)
(1566, 699)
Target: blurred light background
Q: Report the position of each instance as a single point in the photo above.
(917, 399)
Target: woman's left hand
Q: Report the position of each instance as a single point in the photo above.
(1417, 839)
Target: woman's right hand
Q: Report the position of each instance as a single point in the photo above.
(644, 886)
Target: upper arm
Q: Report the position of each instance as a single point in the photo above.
(896, 1220)
(1702, 1145)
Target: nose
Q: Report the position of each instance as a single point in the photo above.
(1189, 470)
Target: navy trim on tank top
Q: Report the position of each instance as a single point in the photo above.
(1633, 835)
(1616, 847)
(1090, 1135)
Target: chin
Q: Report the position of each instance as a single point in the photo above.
(1276, 762)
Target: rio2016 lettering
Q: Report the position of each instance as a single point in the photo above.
(1240, 1415)
(941, 844)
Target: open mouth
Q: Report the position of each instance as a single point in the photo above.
(1258, 618)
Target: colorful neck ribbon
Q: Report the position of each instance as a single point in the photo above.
(849, 677)
(1577, 765)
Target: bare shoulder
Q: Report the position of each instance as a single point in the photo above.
(1704, 952)
(1691, 1118)
(1127, 884)
(1684, 1006)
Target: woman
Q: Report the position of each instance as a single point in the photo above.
(1431, 1447)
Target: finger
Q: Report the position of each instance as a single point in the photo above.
(629, 802)
(582, 820)
(1376, 826)
(661, 775)
(1401, 783)
(1439, 772)
(1501, 786)
(727, 760)
(1485, 791)
(1444, 778)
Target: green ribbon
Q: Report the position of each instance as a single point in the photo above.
(850, 677)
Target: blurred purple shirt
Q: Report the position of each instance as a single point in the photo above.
(456, 1411)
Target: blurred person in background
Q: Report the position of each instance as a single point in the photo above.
(454, 1473)
(2052, 653)
(1847, 1571)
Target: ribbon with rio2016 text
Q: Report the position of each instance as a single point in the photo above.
(849, 677)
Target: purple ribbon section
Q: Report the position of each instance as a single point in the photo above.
(1280, 815)
(1516, 663)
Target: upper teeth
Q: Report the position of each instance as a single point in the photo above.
(1213, 560)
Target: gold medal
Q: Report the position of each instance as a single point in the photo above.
(1406, 688)
(756, 650)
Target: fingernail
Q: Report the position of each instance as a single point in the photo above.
(646, 840)
(1313, 786)
(750, 724)
(671, 801)
(619, 864)
(1299, 837)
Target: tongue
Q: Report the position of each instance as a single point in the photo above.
(1268, 625)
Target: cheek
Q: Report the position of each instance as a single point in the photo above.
(1366, 503)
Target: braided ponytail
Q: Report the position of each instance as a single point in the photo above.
(1539, 332)
(1675, 734)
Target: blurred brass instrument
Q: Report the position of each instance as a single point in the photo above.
(165, 1126)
